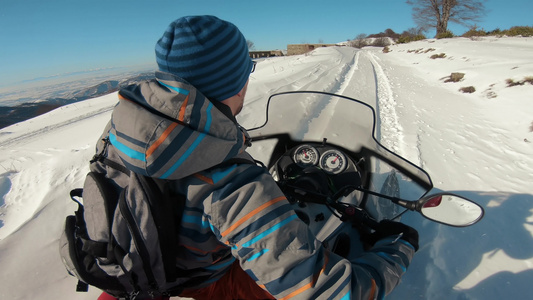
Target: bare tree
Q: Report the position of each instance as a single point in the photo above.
(415, 31)
(359, 41)
(251, 45)
(437, 13)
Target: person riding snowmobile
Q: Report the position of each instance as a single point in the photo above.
(239, 236)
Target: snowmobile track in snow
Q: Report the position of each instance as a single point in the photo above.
(389, 131)
(348, 74)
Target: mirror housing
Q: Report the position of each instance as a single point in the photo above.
(450, 209)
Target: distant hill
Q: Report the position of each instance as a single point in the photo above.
(13, 114)
(108, 86)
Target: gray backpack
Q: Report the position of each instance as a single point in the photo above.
(124, 241)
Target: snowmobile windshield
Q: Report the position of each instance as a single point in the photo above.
(318, 117)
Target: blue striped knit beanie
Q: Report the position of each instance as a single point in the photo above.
(209, 53)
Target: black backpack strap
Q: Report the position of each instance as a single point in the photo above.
(163, 209)
(167, 211)
(77, 193)
(102, 157)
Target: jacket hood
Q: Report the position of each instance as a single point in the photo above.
(167, 129)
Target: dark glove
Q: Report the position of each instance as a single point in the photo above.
(388, 228)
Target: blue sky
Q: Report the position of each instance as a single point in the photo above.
(44, 39)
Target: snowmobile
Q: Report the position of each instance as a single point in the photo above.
(337, 175)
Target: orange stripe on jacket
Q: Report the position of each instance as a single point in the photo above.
(251, 214)
(310, 284)
(120, 97)
(298, 291)
(326, 260)
(183, 107)
(373, 290)
(161, 139)
(204, 178)
(165, 134)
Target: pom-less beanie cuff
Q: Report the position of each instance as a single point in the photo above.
(209, 53)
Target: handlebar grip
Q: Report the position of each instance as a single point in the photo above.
(357, 216)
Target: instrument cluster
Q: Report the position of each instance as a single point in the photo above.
(332, 161)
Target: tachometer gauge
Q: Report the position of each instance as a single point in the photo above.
(333, 161)
(305, 155)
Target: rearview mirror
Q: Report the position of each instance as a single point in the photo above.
(450, 209)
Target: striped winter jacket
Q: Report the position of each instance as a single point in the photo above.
(164, 128)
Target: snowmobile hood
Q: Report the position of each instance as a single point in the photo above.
(166, 128)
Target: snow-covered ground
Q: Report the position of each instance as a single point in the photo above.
(478, 145)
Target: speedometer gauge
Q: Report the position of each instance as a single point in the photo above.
(306, 155)
(333, 161)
